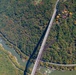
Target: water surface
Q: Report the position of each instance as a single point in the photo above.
(6, 47)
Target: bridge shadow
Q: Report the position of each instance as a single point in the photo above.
(34, 51)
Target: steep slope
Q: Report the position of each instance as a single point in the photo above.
(61, 44)
(22, 22)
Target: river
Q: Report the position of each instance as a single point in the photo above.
(49, 71)
(6, 47)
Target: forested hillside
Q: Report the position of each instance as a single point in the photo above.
(22, 22)
(63, 35)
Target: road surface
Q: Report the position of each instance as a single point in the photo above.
(44, 41)
(67, 65)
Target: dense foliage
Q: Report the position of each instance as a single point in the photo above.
(63, 35)
(22, 22)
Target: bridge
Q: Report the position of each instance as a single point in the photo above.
(44, 40)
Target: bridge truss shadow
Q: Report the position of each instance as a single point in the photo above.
(34, 51)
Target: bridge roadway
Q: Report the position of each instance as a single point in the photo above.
(44, 40)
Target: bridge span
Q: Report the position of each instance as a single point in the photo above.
(44, 40)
